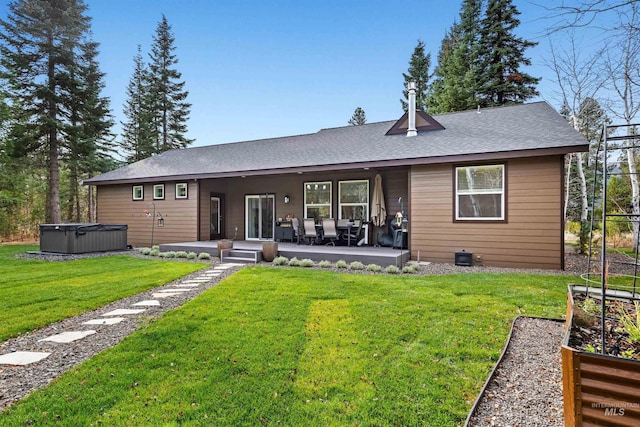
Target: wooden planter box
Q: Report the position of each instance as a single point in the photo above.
(598, 389)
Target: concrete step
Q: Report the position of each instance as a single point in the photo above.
(240, 255)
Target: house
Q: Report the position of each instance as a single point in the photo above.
(489, 182)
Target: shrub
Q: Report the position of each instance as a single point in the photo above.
(408, 269)
(341, 264)
(170, 254)
(324, 264)
(281, 260)
(204, 255)
(191, 255)
(141, 250)
(294, 262)
(156, 247)
(306, 263)
(181, 254)
(145, 251)
(162, 254)
(392, 269)
(374, 267)
(154, 252)
(356, 265)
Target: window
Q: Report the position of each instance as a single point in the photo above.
(138, 192)
(480, 192)
(353, 199)
(181, 190)
(317, 200)
(158, 191)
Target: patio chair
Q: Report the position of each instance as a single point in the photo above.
(329, 231)
(355, 234)
(295, 223)
(310, 235)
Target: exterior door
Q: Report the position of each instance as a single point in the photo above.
(259, 215)
(217, 216)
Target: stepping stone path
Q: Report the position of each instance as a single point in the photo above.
(21, 358)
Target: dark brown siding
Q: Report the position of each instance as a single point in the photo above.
(115, 206)
(532, 237)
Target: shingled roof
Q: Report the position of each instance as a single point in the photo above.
(522, 130)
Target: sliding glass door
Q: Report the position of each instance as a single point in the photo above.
(259, 214)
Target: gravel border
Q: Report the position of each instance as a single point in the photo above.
(18, 381)
(525, 388)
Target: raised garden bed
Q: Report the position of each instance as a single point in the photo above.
(600, 387)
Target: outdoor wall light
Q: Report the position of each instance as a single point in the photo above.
(287, 199)
(160, 221)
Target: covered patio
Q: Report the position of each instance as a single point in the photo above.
(365, 254)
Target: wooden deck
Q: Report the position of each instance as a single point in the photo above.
(365, 254)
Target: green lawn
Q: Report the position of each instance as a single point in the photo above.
(36, 293)
(297, 347)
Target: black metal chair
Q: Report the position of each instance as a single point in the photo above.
(354, 234)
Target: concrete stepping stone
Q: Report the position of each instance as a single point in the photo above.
(193, 282)
(147, 303)
(67, 337)
(174, 290)
(189, 285)
(222, 267)
(110, 321)
(124, 311)
(21, 358)
(165, 294)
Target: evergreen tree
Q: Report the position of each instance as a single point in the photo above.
(169, 106)
(501, 57)
(89, 139)
(137, 136)
(454, 87)
(418, 72)
(358, 118)
(40, 41)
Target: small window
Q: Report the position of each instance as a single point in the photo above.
(480, 193)
(353, 199)
(181, 190)
(317, 200)
(158, 192)
(138, 192)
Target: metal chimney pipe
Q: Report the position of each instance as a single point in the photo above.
(411, 128)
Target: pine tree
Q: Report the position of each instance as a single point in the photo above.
(169, 106)
(418, 72)
(358, 118)
(454, 87)
(137, 136)
(501, 57)
(40, 40)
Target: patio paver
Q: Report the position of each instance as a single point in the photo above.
(124, 311)
(110, 321)
(22, 358)
(165, 294)
(67, 337)
(147, 303)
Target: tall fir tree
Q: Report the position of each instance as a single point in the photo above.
(501, 58)
(418, 72)
(137, 136)
(39, 39)
(89, 142)
(358, 118)
(168, 97)
(454, 86)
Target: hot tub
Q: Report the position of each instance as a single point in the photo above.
(82, 238)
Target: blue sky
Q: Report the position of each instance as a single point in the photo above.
(260, 69)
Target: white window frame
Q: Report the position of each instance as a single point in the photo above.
(365, 205)
(138, 187)
(330, 204)
(471, 192)
(157, 187)
(183, 185)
